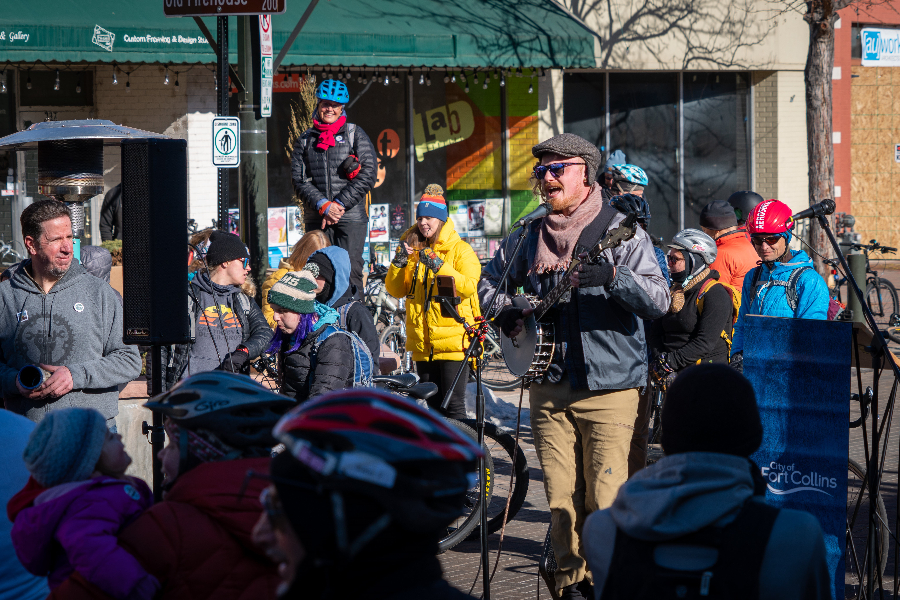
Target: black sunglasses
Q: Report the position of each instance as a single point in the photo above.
(771, 240)
(557, 169)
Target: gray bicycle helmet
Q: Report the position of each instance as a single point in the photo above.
(699, 249)
(235, 409)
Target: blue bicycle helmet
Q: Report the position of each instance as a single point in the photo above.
(630, 173)
(331, 89)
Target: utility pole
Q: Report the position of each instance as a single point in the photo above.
(222, 93)
(253, 172)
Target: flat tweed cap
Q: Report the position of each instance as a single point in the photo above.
(296, 291)
(571, 145)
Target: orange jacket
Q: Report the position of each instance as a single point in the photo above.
(735, 257)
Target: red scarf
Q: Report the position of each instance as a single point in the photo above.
(326, 132)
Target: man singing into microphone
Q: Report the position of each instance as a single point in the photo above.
(589, 430)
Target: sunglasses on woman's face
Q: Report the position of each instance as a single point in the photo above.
(674, 260)
(770, 240)
(555, 169)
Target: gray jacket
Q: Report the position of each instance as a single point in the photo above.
(684, 493)
(77, 325)
(613, 351)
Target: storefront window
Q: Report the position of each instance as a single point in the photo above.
(458, 146)
(716, 148)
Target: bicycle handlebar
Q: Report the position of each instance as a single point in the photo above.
(874, 247)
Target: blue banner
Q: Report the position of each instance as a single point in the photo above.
(800, 371)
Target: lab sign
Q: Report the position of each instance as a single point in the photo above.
(226, 142)
(880, 47)
(209, 8)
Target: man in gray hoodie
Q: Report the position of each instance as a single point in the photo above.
(63, 319)
(702, 509)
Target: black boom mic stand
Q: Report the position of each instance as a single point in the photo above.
(477, 335)
(879, 352)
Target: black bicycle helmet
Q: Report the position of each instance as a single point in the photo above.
(632, 203)
(239, 412)
(743, 203)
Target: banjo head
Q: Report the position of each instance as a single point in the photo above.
(519, 353)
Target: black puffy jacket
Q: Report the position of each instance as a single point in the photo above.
(689, 336)
(333, 371)
(317, 174)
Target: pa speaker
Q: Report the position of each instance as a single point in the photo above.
(154, 241)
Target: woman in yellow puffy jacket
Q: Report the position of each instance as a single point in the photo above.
(303, 249)
(438, 344)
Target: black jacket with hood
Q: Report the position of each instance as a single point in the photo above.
(317, 175)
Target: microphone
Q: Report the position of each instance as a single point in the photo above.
(541, 211)
(825, 207)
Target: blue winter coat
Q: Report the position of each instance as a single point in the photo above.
(770, 300)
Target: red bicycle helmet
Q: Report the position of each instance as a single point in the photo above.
(370, 442)
(771, 216)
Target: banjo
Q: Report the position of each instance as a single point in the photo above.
(529, 354)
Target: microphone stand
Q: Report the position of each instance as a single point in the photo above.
(478, 333)
(878, 350)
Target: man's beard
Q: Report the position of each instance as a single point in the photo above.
(57, 272)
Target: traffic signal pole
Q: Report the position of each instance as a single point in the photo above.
(252, 173)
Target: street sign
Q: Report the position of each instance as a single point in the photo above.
(226, 142)
(221, 8)
(266, 72)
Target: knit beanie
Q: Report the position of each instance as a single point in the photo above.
(571, 145)
(65, 446)
(701, 399)
(432, 203)
(321, 268)
(296, 291)
(718, 215)
(224, 247)
(616, 158)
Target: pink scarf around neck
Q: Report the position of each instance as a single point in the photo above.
(327, 131)
(558, 234)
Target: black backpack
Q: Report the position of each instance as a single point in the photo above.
(634, 573)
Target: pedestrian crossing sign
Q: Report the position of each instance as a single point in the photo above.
(226, 142)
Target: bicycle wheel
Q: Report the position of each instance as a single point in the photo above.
(502, 447)
(858, 529)
(882, 301)
(654, 440)
(471, 517)
(494, 373)
(393, 338)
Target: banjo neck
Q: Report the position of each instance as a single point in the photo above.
(625, 231)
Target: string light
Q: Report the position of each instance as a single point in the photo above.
(176, 78)
(453, 76)
(495, 74)
(502, 79)
(446, 77)
(78, 85)
(421, 78)
(28, 81)
(519, 72)
(166, 80)
(396, 77)
(56, 83)
(115, 79)
(475, 78)
(428, 79)
(127, 82)
(3, 82)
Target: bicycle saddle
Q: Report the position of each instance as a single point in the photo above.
(422, 391)
(404, 380)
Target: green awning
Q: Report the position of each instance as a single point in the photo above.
(407, 33)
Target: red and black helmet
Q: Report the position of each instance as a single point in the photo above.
(370, 442)
(771, 217)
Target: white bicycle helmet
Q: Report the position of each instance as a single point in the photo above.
(699, 249)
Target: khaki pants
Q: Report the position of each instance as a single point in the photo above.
(589, 443)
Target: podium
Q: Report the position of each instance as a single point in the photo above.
(800, 371)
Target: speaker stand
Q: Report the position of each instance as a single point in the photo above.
(157, 431)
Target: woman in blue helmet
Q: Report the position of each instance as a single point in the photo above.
(333, 167)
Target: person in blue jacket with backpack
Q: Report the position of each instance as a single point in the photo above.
(785, 284)
(314, 355)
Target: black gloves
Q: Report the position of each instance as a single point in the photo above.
(737, 361)
(351, 166)
(234, 362)
(401, 257)
(506, 319)
(595, 275)
(431, 260)
(660, 369)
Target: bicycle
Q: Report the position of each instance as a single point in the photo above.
(8, 255)
(881, 295)
(499, 449)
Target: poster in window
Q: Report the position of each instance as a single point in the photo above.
(459, 214)
(278, 227)
(493, 216)
(493, 246)
(479, 245)
(294, 225)
(378, 223)
(398, 220)
(476, 218)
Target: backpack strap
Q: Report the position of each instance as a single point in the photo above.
(344, 312)
(791, 289)
(595, 230)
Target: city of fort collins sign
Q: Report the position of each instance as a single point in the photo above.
(208, 8)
